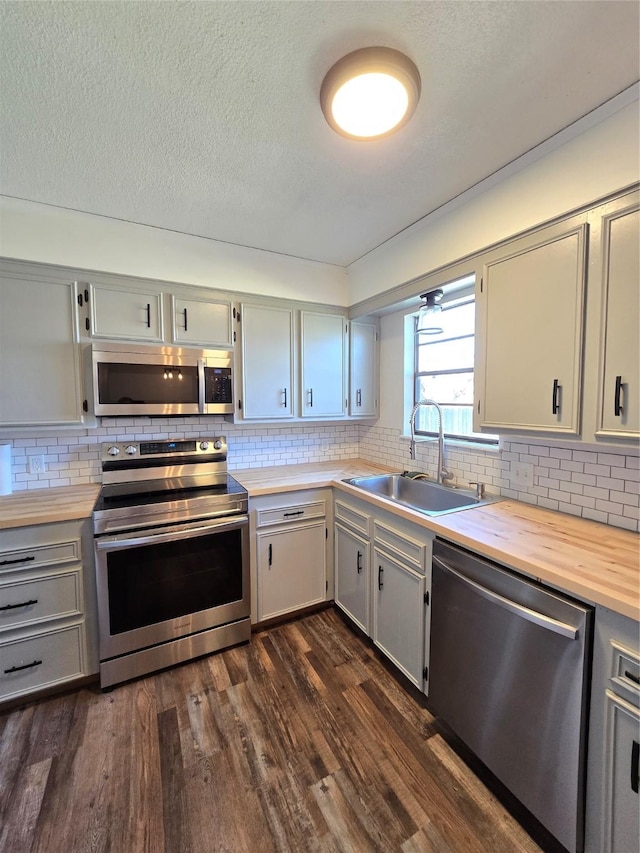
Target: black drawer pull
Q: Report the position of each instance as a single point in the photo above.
(380, 573)
(291, 514)
(631, 676)
(359, 562)
(26, 666)
(22, 604)
(617, 404)
(635, 761)
(270, 554)
(555, 404)
(20, 560)
(148, 315)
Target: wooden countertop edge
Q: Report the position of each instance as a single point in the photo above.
(47, 506)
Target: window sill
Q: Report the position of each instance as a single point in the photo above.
(470, 445)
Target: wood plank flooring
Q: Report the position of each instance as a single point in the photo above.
(299, 741)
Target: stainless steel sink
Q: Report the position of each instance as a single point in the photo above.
(420, 495)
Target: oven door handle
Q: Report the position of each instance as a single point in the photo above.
(131, 540)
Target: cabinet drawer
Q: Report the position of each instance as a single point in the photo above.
(42, 555)
(288, 514)
(411, 551)
(42, 660)
(32, 601)
(353, 518)
(625, 673)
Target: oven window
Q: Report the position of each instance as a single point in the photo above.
(154, 583)
(146, 383)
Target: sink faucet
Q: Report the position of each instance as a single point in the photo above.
(443, 474)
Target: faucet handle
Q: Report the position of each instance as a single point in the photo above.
(479, 489)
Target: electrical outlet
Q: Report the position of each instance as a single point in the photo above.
(522, 474)
(36, 464)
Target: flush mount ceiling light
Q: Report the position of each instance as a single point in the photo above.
(370, 93)
(429, 316)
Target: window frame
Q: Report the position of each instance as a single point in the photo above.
(486, 441)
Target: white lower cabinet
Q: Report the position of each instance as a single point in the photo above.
(398, 615)
(48, 629)
(383, 582)
(613, 798)
(353, 576)
(289, 564)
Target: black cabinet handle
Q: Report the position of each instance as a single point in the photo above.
(555, 401)
(632, 676)
(310, 392)
(284, 391)
(359, 397)
(185, 319)
(635, 761)
(148, 315)
(380, 573)
(270, 554)
(22, 604)
(291, 514)
(359, 562)
(26, 666)
(617, 404)
(20, 560)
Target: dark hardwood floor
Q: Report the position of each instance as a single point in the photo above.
(299, 741)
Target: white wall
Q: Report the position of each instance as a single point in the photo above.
(595, 157)
(38, 232)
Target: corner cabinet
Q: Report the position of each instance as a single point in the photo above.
(619, 382)
(40, 382)
(383, 582)
(363, 370)
(530, 305)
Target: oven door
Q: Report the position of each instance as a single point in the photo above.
(158, 585)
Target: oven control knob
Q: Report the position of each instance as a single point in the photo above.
(130, 450)
(113, 451)
(217, 444)
(204, 445)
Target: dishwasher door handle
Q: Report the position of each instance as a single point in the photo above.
(539, 619)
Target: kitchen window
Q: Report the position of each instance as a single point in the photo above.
(444, 372)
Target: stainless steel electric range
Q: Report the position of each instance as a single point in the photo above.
(172, 555)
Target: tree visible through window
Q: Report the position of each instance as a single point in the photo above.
(444, 373)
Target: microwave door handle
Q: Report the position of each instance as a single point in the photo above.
(202, 407)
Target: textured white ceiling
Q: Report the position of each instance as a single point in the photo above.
(203, 117)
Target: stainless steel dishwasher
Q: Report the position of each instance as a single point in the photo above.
(509, 672)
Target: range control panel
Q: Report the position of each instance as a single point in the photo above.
(205, 447)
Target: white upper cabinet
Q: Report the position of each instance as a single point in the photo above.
(619, 400)
(267, 362)
(530, 305)
(39, 359)
(201, 322)
(323, 349)
(125, 313)
(363, 369)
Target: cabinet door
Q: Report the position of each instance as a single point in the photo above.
(201, 322)
(267, 362)
(622, 809)
(353, 576)
(323, 363)
(125, 313)
(399, 615)
(529, 350)
(39, 359)
(363, 372)
(620, 363)
(291, 569)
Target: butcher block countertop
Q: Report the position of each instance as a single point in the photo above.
(44, 506)
(592, 561)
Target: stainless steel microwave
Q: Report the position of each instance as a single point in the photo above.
(141, 380)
